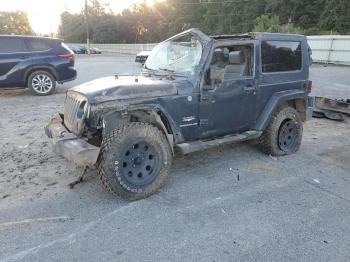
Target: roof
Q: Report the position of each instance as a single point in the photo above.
(235, 36)
(259, 36)
(30, 36)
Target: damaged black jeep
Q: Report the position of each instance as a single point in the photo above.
(194, 92)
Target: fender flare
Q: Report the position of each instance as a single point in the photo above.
(169, 128)
(276, 100)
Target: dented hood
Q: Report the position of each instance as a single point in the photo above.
(125, 87)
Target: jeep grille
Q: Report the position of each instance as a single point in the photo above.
(71, 106)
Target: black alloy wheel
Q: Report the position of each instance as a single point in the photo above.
(288, 136)
(134, 160)
(140, 164)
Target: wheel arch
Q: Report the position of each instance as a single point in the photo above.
(33, 69)
(154, 115)
(293, 98)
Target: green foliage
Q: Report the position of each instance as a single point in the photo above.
(142, 23)
(290, 28)
(72, 27)
(265, 23)
(336, 16)
(15, 23)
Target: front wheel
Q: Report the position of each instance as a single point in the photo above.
(41, 83)
(135, 160)
(283, 134)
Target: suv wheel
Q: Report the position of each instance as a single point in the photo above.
(283, 134)
(41, 83)
(134, 161)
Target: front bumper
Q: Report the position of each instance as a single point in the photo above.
(68, 145)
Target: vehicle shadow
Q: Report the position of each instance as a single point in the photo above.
(26, 92)
(186, 169)
(15, 92)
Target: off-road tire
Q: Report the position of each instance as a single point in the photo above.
(270, 142)
(41, 73)
(114, 150)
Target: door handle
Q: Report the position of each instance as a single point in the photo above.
(208, 98)
(205, 98)
(23, 57)
(249, 88)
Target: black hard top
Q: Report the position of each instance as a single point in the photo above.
(259, 36)
(245, 36)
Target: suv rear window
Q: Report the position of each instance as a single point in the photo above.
(66, 47)
(280, 56)
(39, 44)
(12, 45)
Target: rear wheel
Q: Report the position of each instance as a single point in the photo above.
(41, 83)
(283, 134)
(135, 160)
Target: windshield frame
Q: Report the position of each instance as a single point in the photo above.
(204, 41)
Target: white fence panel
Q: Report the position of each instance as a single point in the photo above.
(124, 48)
(330, 49)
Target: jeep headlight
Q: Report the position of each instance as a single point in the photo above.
(83, 110)
(82, 113)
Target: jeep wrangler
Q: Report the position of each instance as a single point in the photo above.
(194, 92)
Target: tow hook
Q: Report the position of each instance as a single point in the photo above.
(80, 178)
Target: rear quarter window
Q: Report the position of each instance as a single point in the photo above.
(12, 45)
(65, 46)
(38, 45)
(280, 56)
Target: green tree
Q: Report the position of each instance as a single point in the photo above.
(72, 28)
(336, 16)
(142, 23)
(15, 23)
(266, 23)
(290, 28)
(95, 9)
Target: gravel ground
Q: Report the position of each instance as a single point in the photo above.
(230, 203)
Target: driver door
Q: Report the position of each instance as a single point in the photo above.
(13, 51)
(230, 106)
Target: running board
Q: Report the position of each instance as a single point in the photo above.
(186, 148)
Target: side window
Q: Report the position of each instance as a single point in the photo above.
(38, 45)
(235, 60)
(280, 56)
(12, 45)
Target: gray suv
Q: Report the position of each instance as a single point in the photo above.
(194, 92)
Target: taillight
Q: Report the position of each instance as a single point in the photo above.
(68, 56)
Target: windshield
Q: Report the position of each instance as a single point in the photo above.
(179, 56)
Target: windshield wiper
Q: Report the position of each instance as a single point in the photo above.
(166, 70)
(172, 72)
(153, 71)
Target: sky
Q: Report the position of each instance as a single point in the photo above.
(44, 15)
